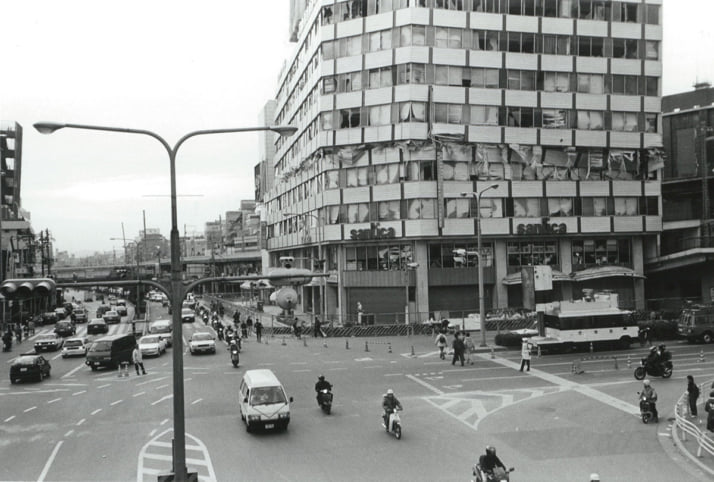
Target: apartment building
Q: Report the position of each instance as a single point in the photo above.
(409, 109)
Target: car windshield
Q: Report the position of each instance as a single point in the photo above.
(149, 339)
(73, 343)
(187, 311)
(267, 395)
(110, 313)
(202, 336)
(25, 360)
(101, 346)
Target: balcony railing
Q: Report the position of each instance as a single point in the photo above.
(684, 244)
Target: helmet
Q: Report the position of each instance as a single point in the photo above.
(390, 392)
(646, 383)
(490, 449)
(653, 349)
(321, 378)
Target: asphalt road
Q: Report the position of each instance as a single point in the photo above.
(549, 424)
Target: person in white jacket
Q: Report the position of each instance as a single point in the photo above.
(138, 360)
(525, 354)
(441, 343)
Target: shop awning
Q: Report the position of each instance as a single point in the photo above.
(515, 278)
(605, 272)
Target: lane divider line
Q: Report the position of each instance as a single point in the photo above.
(48, 464)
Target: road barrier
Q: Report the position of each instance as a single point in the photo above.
(347, 344)
(493, 353)
(413, 354)
(366, 346)
(389, 348)
(683, 427)
(576, 367)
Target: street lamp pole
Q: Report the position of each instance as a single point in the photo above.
(177, 288)
(481, 308)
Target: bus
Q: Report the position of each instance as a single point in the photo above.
(595, 319)
(697, 323)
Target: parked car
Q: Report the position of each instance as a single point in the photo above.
(202, 343)
(29, 367)
(65, 328)
(49, 317)
(152, 345)
(121, 309)
(48, 342)
(111, 316)
(76, 346)
(188, 315)
(97, 326)
(80, 315)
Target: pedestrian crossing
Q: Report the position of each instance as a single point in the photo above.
(113, 329)
(156, 458)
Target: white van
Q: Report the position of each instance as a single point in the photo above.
(163, 328)
(263, 402)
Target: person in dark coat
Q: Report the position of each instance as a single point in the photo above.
(258, 330)
(318, 331)
(709, 408)
(459, 348)
(693, 394)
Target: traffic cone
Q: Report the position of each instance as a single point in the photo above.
(413, 354)
(389, 345)
(324, 343)
(701, 356)
(304, 341)
(283, 343)
(366, 346)
(629, 362)
(616, 366)
(493, 353)
(347, 344)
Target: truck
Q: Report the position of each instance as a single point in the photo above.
(696, 323)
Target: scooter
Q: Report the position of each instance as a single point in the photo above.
(325, 399)
(235, 358)
(646, 411)
(396, 424)
(499, 475)
(662, 369)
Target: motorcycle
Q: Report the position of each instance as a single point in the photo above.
(499, 475)
(396, 424)
(235, 358)
(324, 398)
(662, 369)
(646, 411)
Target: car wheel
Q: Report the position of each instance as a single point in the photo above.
(13, 381)
(94, 369)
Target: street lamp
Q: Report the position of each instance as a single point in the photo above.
(177, 288)
(320, 239)
(481, 316)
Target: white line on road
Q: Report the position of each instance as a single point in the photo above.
(81, 422)
(138, 394)
(304, 370)
(152, 381)
(196, 401)
(116, 402)
(162, 386)
(29, 409)
(9, 418)
(69, 432)
(424, 384)
(162, 399)
(55, 400)
(79, 393)
(336, 369)
(96, 411)
(48, 464)
(393, 374)
(189, 379)
(164, 421)
(56, 356)
(71, 372)
(104, 386)
(298, 363)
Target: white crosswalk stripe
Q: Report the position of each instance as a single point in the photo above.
(155, 458)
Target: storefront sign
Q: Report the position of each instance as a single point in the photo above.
(374, 232)
(545, 227)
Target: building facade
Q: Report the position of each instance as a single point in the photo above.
(408, 109)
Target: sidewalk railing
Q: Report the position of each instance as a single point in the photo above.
(705, 441)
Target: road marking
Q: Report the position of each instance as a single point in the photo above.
(337, 368)
(116, 402)
(393, 374)
(162, 399)
(56, 356)
(155, 458)
(152, 381)
(298, 363)
(81, 422)
(161, 386)
(71, 372)
(79, 393)
(104, 386)
(69, 432)
(425, 384)
(304, 370)
(29, 409)
(151, 434)
(48, 464)
(164, 421)
(137, 394)
(9, 418)
(196, 401)
(96, 411)
(55, 400)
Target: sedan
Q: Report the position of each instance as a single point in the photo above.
(80, 315)
(152, 345)
(111, 316)
(202, 343)
(65, 328)
(121, 309)
(61, 313)
(76, 346)
(29, 367)
(97, 326)
(188, 315)
(49, 317)
(48, 341)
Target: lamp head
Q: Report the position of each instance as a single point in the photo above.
(47, 127)
(285, 131)
(464, 194)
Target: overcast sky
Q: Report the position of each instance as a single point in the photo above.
(174, 67)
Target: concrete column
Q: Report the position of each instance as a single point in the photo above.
(500, 259)
(638, 262)
(421, 256)
(566, 266)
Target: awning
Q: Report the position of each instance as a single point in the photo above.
(515, 278)
(605, 272)
(245, 285)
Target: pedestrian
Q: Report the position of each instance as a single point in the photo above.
(470, 348)
(138, 360)
(258, 329)
(18, 332)
(31, 327)
(249, 325)
(459, 348)
(359, 313)
(244, 328)
(444, 325)
(440, 342)
(236, 318)
(709, 408)
(318, 331)
(693, 393)
(525, 354)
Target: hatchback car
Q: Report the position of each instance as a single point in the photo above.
(152, 345)
(80, 315)
(48, 342)
(32, 367)
(65, 328)
(188, 315)
(111, 316)
(97, 326)
(202, 343)
(76, 346)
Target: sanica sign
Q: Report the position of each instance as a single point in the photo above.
(545, 227)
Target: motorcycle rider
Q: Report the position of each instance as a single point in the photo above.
(650, 395)
(321, 384)
(652, 361)
(491, 465)
(390, 404)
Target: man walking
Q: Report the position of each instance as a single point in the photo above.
(470, 348)
(318, 327)
(258, 329)
(525, 354)
(138, 360)
(459, 348)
